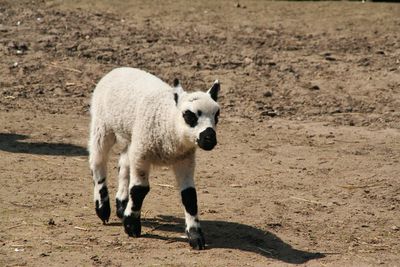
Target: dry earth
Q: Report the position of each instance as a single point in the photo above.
(307, 166)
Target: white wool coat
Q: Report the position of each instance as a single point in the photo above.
(140, 110)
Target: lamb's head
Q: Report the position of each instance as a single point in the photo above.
(198, 115)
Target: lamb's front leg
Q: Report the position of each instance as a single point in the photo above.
(138, 189)
(184, 171)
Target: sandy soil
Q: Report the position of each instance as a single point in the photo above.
(307, 166)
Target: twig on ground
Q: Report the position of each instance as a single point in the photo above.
(155, 228)
(15, 226)
(350, 186)
(48, 161)
(359, 186)
(145, 214)
(306, 200)
(345, 141)
(264, 250)
(166, 185)
(64, 68)
(80, 228)
(19, 246)
(75, 243)
(171, 241)
(79, 159)
(21, 205)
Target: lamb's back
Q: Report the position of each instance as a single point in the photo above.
(125, 95)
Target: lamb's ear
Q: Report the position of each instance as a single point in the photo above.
(176, 82)
(178, 90)
(214, 90)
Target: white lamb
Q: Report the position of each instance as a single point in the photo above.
(158, 124)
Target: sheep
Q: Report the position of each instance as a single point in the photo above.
(157, 124)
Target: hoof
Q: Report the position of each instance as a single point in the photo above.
(196, 238)
(132, 225)
(104, 211)
(121, 205)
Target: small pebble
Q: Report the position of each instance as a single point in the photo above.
(247, 61)
(268, 94)
(330, 58)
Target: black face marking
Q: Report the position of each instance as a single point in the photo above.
(121, 205)
(216, 117)
(207, 139)
(102, 180)
(190, 118)
(214, 91)
(199, 113)
(138, 193)
(196, 238)
(176, 82)
(176, 98)
(189, 200)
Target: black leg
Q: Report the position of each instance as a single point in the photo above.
(103, 209)
(132, 223)
(121, 206)
(193, 230)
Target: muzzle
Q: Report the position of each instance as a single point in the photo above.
(207, 139)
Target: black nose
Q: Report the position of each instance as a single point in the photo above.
(207, 139)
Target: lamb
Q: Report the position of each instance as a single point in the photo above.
(157, 124)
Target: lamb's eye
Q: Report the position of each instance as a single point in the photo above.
(199, 113)
(190, 118)
(216, 117)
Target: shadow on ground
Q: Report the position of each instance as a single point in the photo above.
(231, 235)
(14, 143)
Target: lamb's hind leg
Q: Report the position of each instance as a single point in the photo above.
(123, 183)
(99, 147)
(184, 171)
(138, 189)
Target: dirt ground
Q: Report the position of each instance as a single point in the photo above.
(307, 166)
